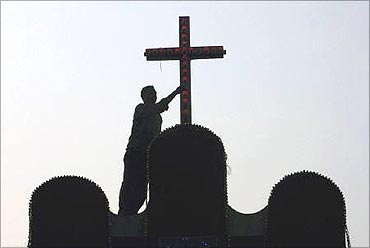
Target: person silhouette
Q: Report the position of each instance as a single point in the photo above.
(147, 123)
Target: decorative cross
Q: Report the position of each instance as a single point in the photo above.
(185, 53)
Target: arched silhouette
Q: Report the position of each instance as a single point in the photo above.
(68, 211)
(306, 209)
(187, 179)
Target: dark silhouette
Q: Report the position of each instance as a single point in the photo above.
(186, 169)
(146, 125)
(68, 211)
(187, 179)
(306, 209)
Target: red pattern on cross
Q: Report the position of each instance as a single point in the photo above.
(185, 53)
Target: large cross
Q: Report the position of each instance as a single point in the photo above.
(185, 53)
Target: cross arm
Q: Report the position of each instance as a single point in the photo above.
(172, 53)
(207, 52)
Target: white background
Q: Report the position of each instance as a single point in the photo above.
(292, 93)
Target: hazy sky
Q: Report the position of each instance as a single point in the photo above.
(292, 93)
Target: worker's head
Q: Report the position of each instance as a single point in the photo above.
(148, 94)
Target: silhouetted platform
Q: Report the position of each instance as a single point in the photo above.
(245, 230)
(235, 241)
(188, 205)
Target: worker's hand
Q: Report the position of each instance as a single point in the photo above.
(180, 89)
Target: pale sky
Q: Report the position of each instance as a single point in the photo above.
(291, 94)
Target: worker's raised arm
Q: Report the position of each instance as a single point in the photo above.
(171, 96)
(162, 105)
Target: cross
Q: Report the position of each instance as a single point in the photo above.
(185, 53)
